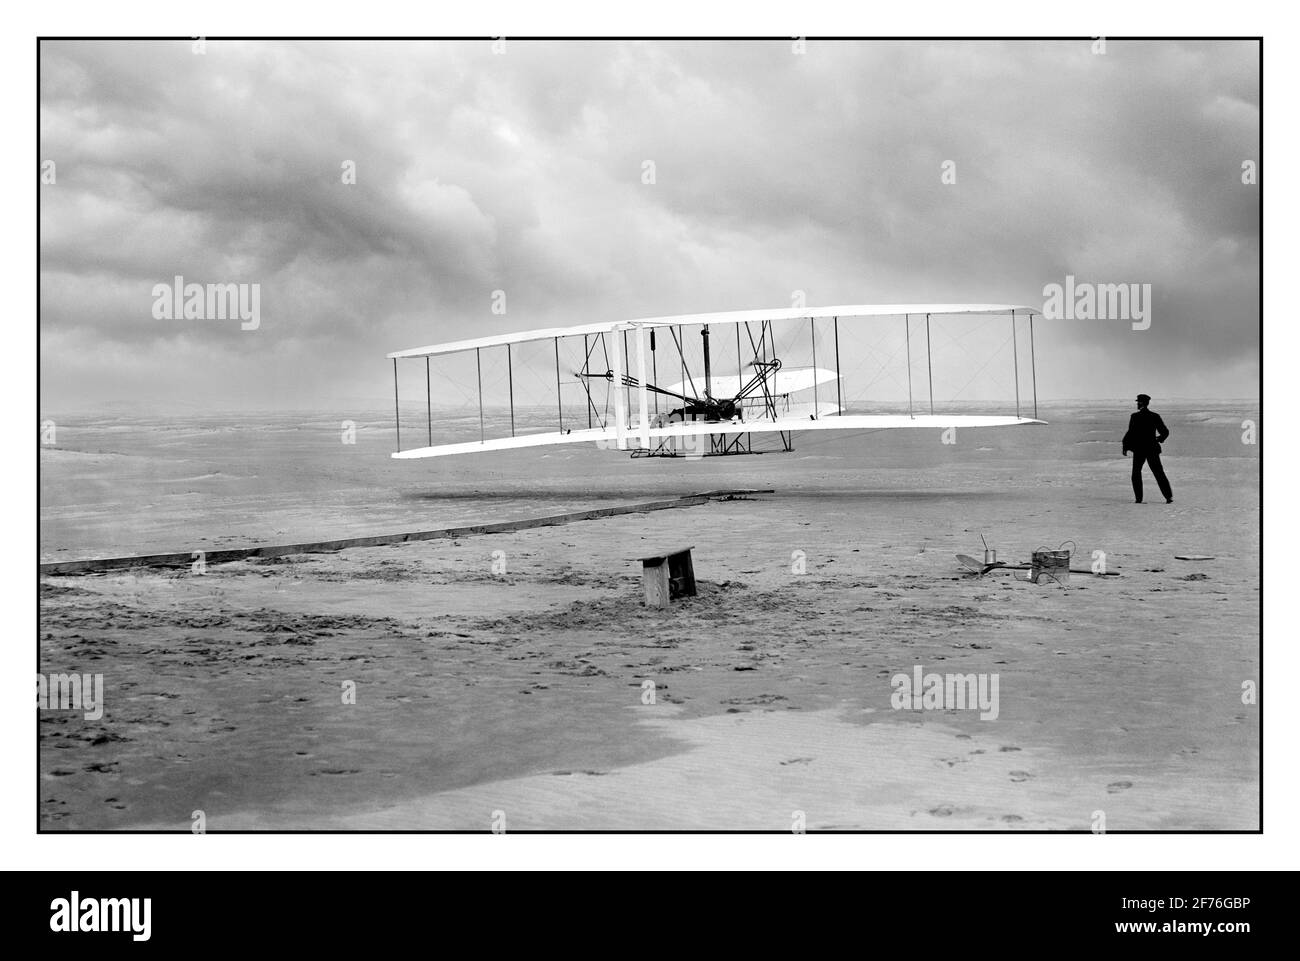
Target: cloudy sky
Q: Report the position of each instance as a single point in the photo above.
(774, 172)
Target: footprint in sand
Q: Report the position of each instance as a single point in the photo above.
(1116, 786)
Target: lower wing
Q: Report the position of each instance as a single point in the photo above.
(608, 436)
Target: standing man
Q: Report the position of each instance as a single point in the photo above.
(1146, 432)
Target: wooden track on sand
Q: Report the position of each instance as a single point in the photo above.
(185, 558)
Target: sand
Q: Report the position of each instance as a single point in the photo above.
(480, 691)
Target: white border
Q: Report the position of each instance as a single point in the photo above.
(20, 847)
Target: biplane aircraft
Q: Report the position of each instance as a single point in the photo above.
(705, 384)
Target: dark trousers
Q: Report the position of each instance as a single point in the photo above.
(1156, 469)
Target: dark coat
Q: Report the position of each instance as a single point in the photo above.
(1146, 432)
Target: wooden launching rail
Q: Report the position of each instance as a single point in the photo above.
(225, 556)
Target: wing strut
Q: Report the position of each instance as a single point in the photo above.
(1032, 367)
(642, 404)
(740, 364)
(586, 365)
(929, 369)
(654, 369)
(397, 408)
(627, 361)
(839, 391)
(740, 376)
(812, 326)
(620, 418)
(907, 333)
(478, 364)
(510, 372)
(1015, 360)
(559, 404)
(677, 340)
(708, 372)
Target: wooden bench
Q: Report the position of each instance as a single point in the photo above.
(668, 576)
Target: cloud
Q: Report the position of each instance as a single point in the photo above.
(774, 172)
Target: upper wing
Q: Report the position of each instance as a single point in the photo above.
(843, 312)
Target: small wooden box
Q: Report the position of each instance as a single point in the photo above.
(667, 577)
